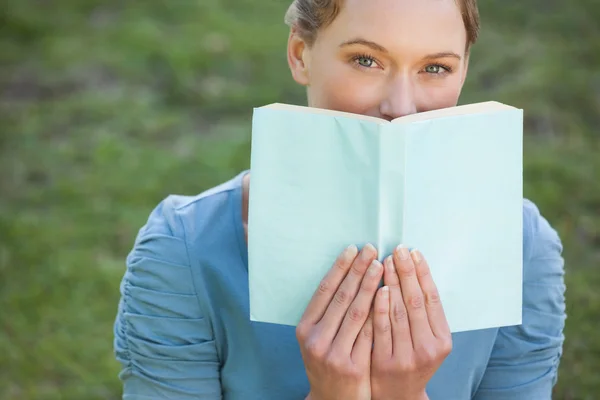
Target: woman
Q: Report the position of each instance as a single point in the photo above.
(183, 328)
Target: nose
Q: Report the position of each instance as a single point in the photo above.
(399, 99)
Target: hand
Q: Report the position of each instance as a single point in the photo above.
(411, 334)
(335, 334)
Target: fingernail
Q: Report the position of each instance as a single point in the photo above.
(416, 256)
(374, 268)
(350, 251)
(403, 251)
(367, 251)
(389, 263)
(385, 291)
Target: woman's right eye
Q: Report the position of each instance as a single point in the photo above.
(365, 62)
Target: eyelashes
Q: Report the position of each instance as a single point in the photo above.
(445, 67)
(357, 58)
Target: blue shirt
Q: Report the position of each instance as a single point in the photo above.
(183, 329)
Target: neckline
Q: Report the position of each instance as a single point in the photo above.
(237, 204)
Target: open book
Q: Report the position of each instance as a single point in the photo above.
(448, 182)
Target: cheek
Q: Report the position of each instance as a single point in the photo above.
(439, 95)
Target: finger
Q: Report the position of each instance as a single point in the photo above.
(363, 347)
(401, 338)
(359, 309)
(328, 286)
(382, 328)
(433, 304)
(390, 276)
(412, 296)
(345, 294)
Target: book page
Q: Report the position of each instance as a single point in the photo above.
(313, 191)
(463, 210)
(464, 109)
(324, 111)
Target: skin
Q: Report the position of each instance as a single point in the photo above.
(387, 59)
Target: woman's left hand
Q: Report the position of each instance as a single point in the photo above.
(411, 334)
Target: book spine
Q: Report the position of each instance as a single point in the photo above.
(391, 175)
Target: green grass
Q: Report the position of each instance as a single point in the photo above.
(106, 108)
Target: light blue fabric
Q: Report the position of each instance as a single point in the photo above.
(183, 329)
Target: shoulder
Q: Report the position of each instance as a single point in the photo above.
(542, 247)
(183, 216)
(163, 335)
(537, 227)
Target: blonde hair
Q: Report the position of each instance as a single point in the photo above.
(308, 16)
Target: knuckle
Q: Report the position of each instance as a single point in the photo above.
(357, 314)
(316, 349)
(406, 269)
(347, 370)
(446, 345)
(381, 309)
(427, 354)
(341, 264)
(394, 284)
(302, 331)
(355, 373)
(324, 287)
(415, 301)
(406, 366)
(433, 297)
(383, 326)
(367, 332)
(356, 270)
(399, 312)
(335, 362)
(370, 282)
(341, 297)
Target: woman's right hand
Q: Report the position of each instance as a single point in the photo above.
(335, 333)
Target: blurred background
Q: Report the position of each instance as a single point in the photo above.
(106, 107)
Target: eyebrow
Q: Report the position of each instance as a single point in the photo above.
(444, 54)
(364, 42)
(380, 48)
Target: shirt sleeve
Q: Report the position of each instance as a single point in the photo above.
(525, 358)
(161, 338)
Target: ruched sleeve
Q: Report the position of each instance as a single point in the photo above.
(525, 358)
(162, 340)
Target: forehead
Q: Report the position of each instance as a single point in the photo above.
(401, 24)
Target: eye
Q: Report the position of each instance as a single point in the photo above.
(365, 61)
(436, 69)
